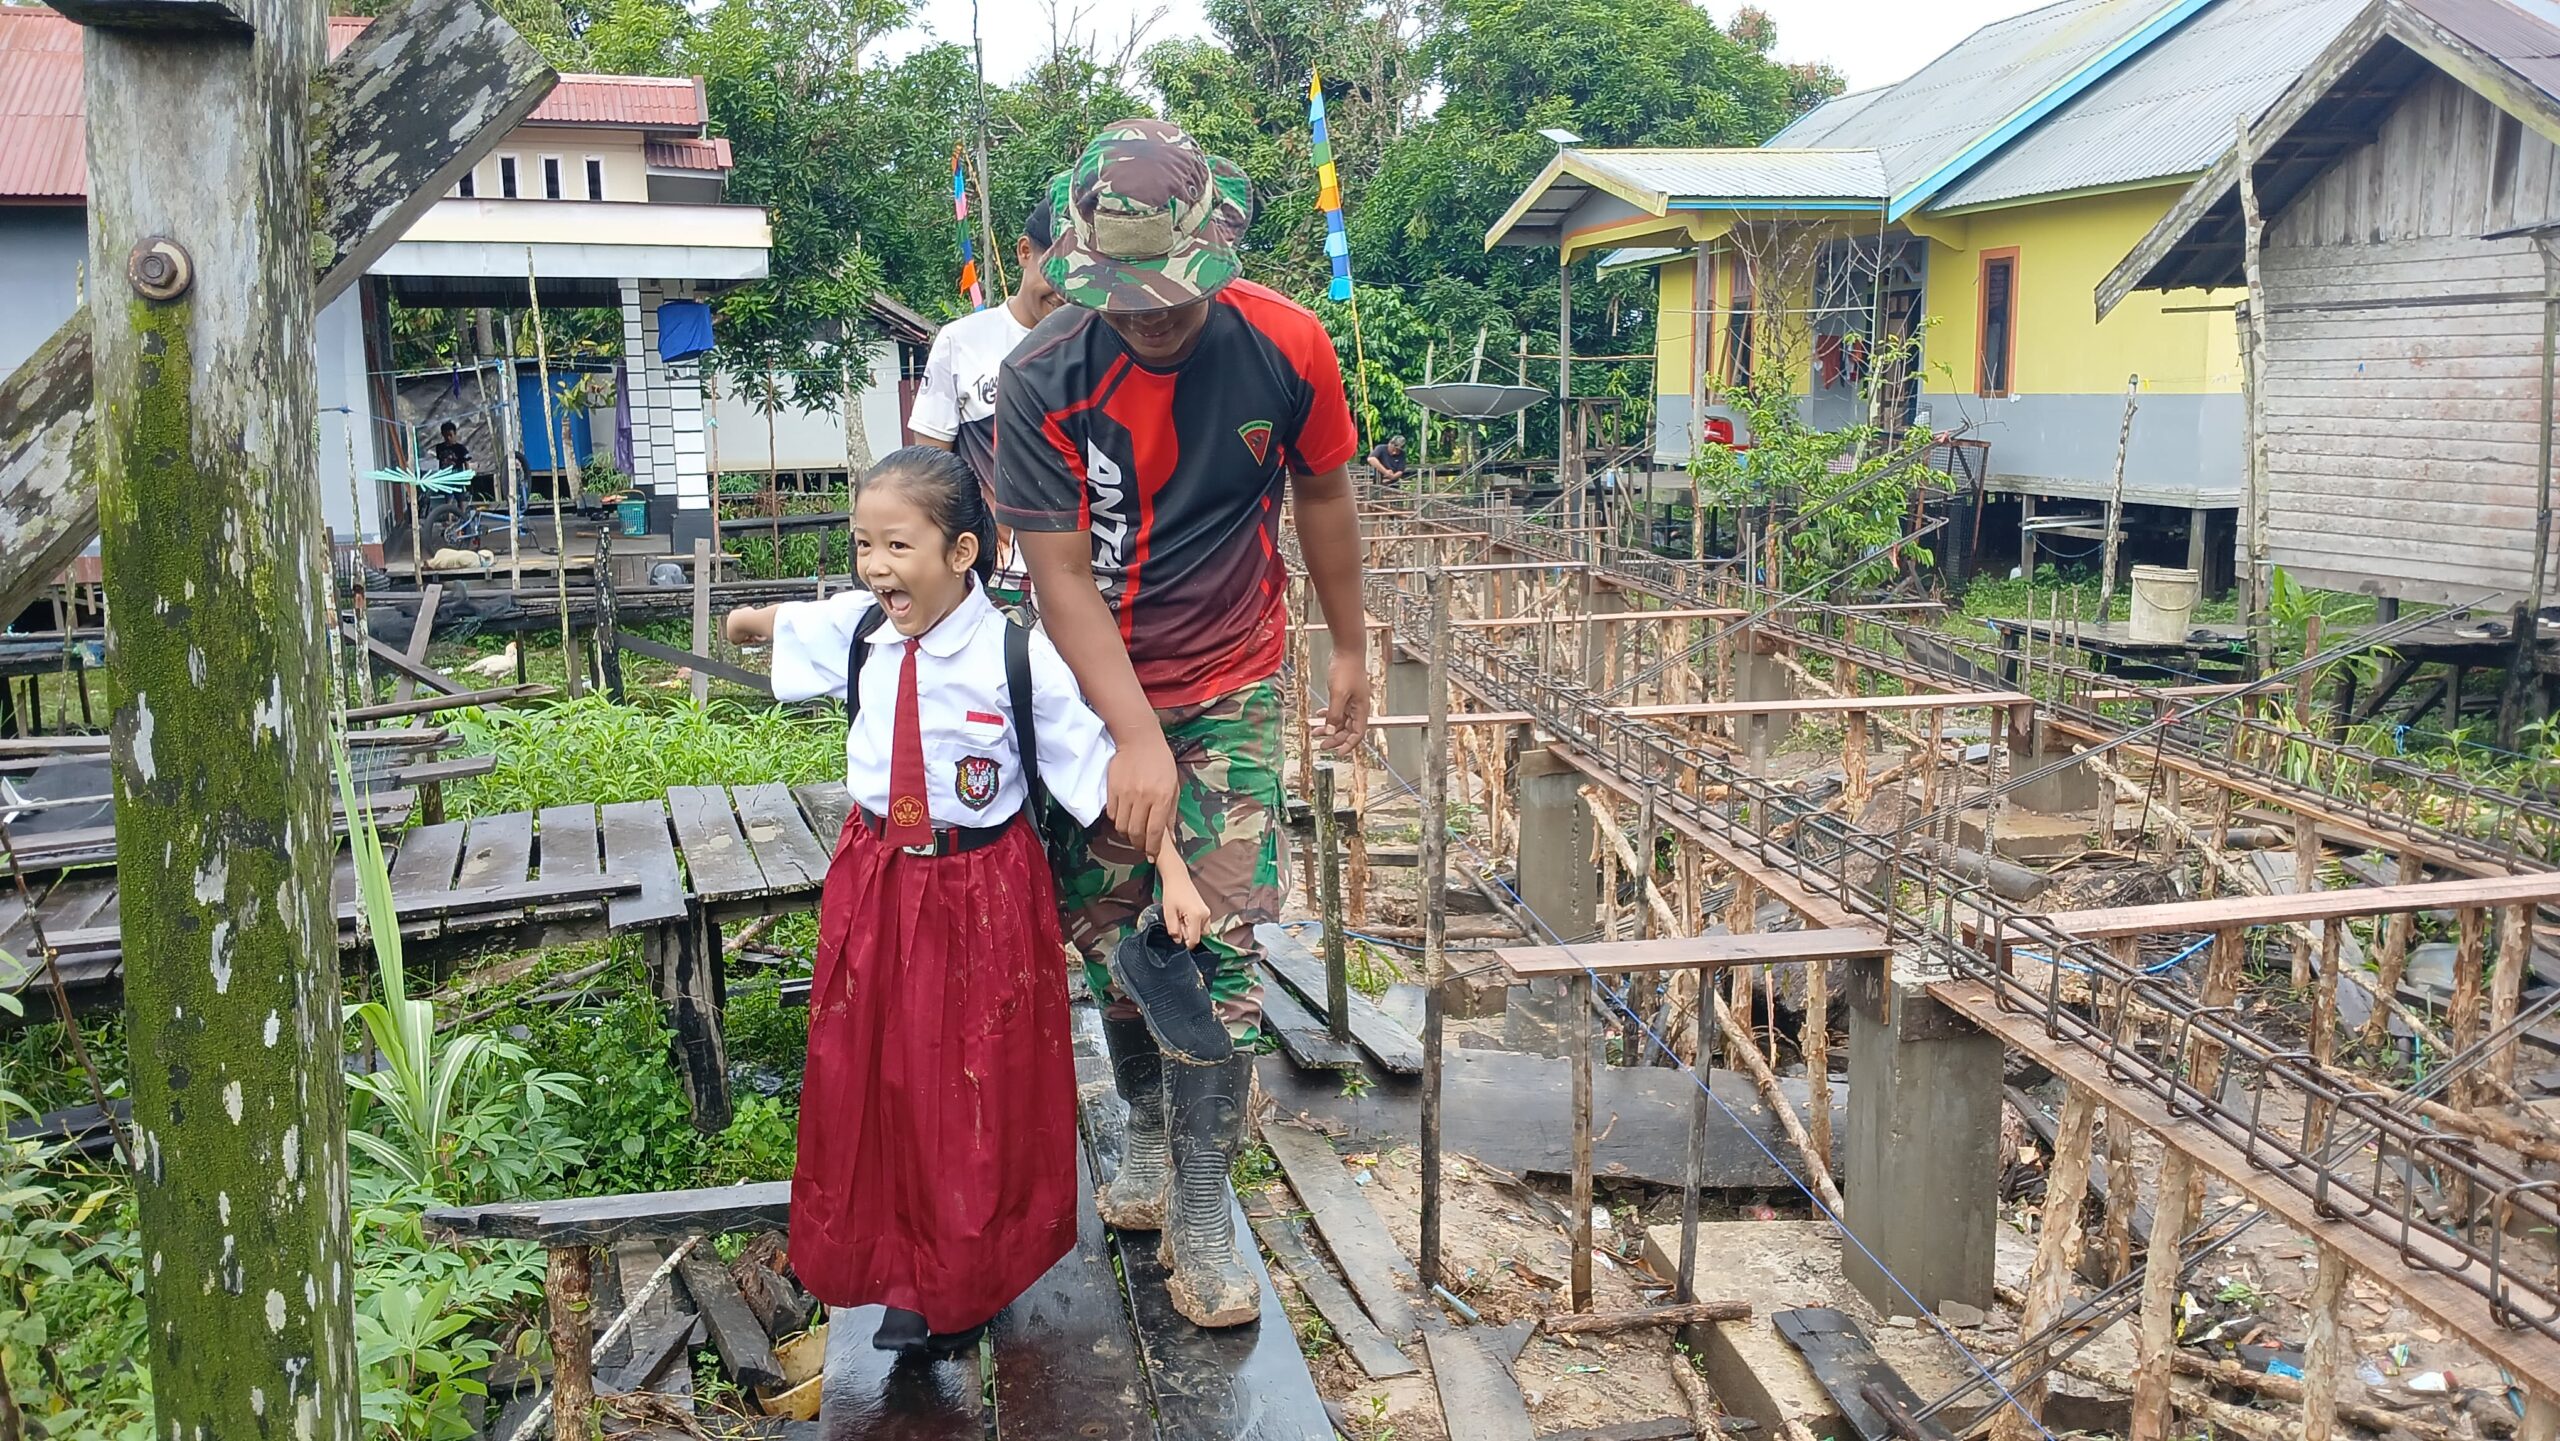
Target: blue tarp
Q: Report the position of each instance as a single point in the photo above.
(684, 329)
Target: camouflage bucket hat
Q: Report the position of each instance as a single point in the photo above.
(1146, 221)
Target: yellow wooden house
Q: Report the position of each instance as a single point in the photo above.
(1974, 206)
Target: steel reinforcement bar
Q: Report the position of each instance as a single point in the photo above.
(1941, 921)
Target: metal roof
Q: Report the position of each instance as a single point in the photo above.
(1990, 76)
(2339, 102)
(1636, 257)
(44, 152)
(683, 153)
(44, 144)
(1810, 128)
(2169, 112)
(1744, 174)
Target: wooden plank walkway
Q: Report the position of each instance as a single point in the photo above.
(519, 879)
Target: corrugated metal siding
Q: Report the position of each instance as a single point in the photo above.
(2401, 442)
(1746, 174)
(2171, 111)
(43, 146)
(2525, 36)
(1959, 97)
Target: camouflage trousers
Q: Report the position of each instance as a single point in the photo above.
(1227, 817)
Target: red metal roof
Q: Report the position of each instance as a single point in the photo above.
(689, 154)
(43, 146)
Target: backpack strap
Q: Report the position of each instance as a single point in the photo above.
(855, 655)
(1026, 727)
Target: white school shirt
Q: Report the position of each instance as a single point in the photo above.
(972, 773)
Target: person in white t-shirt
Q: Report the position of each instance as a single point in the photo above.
(955, 408)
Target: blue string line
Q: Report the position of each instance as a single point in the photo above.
(1705, 1004)
(2169, 964)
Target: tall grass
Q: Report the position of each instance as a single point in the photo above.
(591, 750)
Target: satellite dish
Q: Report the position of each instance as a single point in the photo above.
(1475, 400)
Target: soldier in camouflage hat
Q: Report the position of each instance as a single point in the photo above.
(1148, 434)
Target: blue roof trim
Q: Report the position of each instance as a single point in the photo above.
(2176, 13)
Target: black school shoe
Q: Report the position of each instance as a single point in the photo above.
(903, 1331)
(1168, 983)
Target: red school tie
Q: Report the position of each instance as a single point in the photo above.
(910, 821)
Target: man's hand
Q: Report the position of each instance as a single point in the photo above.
(1346, 712)
(1142, 785)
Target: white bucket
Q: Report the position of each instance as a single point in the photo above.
(2163, 600)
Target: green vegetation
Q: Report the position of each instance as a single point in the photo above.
(590, 749)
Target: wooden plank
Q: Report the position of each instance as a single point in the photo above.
(604, 1220)
(1303, 1038)
(875, 1395)
(637, 846)
(1066, 1360)
(786, 849)
(569, 843)
(1680, 954)
(430, 705)
(743, 1346)
(432, 679)
(1376, 1355)
(1795, 705)
(1478, 1398)
(486, 902)
(826, 805)
(2447, 1301)
(700, 665)
(422, 630)
(716, 857)
(1388, 1043)
(1240, 1383)
(496, 851)
(424, 864)
(2183, 917)
(1371, 1263)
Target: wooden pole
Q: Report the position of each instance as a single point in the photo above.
(554, 432)
(2155, 1339)
(2515, 957)
(203, 448)
(1337, 968)
(2306, 834)
(2115, 501)
(2397, 929)
(701, 617)
(571, 1293)
(1432, 876)
(2066, 1190)
(2324, 1352)
(2324, 1021)
(2253, 359)
(1577, 1013)
(2470, 958)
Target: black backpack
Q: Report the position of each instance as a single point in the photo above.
(1060, 833)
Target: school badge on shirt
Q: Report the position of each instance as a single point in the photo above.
(975, 782)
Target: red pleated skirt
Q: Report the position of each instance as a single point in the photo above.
(937, 1167)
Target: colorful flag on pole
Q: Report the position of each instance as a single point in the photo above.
(1337, 245)
(969, 285)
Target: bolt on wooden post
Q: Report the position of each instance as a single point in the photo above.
(200, 242)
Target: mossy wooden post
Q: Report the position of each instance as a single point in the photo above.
(200, 249)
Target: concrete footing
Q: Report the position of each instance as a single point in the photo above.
(1922, 1172)
(1408, 693)
(1559, 884)
(2072, 791)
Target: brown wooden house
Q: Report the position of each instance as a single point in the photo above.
(2409, 188)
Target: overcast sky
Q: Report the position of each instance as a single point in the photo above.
(1872, 42)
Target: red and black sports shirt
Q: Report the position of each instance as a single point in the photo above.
(1177, 474)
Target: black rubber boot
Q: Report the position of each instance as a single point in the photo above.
(899, 1330)
(1164, 979)
(1209, 1282)
(1134, 1198)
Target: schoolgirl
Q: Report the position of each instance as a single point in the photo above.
(937, 1171)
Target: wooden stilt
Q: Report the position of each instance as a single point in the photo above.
(2066, 1189)
(1432, 877)
(1337, 969)
(2515, 958)
(2324, 1024)
(1578, 1016)
(2324, 1353)
(2117, 1237)
(2469, 959)
(2155, 1338)
(2394, 960)
(570, 1291)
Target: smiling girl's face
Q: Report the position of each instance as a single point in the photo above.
(917, 572)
